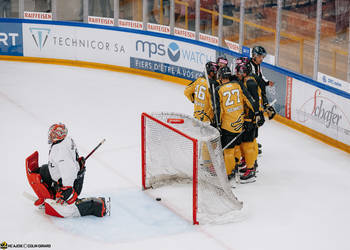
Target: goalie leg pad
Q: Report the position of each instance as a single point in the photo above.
(92, 206)
(34, 178)
(32, 162)
(39, 187)
(53, 208)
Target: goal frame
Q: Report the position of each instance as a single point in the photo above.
(145, 116)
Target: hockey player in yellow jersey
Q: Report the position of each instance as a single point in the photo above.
(231, 100)
(253, 120)
(200, 94)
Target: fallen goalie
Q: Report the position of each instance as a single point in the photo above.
(59, 183)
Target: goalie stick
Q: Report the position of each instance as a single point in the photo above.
(95, 149)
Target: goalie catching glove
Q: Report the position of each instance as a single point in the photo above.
(66, 194)
(271, 112)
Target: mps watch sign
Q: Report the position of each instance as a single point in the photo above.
(320, 110)
(170, 57)
(11, 42)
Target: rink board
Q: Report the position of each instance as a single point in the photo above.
(177, 57)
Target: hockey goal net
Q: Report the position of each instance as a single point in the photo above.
(177, 148)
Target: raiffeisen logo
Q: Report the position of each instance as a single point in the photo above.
(40, 36)
(174, 52)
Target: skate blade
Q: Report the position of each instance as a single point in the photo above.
(234, 182)
(248, 181)
(108, 206)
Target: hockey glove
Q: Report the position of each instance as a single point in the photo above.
(259, 118)
(81, 161)
(271, 112)
(66, 194)
(248, 126)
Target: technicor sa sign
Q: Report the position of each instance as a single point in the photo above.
(11, 39)
(40, 36)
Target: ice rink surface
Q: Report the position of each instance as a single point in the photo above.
(301, 199)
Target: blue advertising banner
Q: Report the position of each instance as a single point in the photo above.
(11, 39)
(246, 51)
(164, 68)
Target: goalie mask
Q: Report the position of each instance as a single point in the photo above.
(57, 132)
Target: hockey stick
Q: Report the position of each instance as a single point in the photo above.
(213, 93)
(273, 102)
(233, 140)
(201, 112)
(95, 149)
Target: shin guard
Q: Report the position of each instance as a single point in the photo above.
(250, 153)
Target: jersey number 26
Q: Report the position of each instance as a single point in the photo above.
(200, 92)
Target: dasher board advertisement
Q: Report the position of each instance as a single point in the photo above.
(320, 110)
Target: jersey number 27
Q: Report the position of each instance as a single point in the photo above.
(231, 93)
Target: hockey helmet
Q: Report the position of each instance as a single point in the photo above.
(224, 73)
(258, 51)
(244, 68)
(57, 132)
(222, 60)
(242, 60)
(211, 67)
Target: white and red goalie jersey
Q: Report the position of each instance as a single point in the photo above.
(63, 162)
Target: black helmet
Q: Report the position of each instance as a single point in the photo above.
(211, 67)
(242, 60)
(258, 51)
(224, 73)
(244, 68)
(222, 59)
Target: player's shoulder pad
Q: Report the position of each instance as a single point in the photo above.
(251, 77)
(218, 88)
(191, 82)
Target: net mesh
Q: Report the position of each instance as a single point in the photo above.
(169, 159)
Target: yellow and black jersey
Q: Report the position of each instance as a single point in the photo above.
(231, 103)
(198, 92)
(254, 90)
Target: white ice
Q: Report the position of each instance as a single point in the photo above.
(301, 199)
